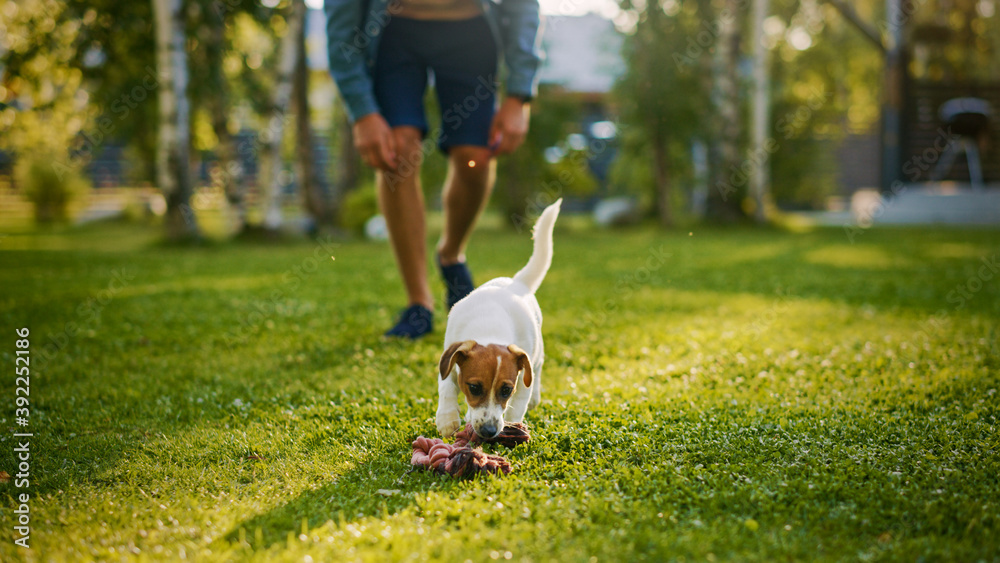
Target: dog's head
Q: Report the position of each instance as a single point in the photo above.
(487, 375)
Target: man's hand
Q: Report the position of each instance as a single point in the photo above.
(373, 139)
(510, 125)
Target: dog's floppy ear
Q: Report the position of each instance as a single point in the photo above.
(523, 363)
(454, 353)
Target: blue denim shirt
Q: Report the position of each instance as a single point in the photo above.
(353, 29)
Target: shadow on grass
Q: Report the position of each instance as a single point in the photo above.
(349, 497)
(170, 349)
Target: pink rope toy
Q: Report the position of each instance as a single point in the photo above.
(462, 460)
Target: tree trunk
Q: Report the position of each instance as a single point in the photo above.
(279, 109)
(893, 94)
(760, 180)
(173, 152)
(348, 175)
(729, 184)
(314, 196)
(664, 209)
(228, 174)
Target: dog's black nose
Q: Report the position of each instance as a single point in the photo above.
(487, 431)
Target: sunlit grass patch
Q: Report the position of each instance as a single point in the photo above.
(723, 394)
(847, 256)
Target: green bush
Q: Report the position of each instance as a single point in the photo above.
(571, 174)
(50, 185)
(359, 206)
(137, 208)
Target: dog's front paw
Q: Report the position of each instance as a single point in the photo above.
(448, 423)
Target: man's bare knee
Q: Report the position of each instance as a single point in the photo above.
(471, 163)
(409, 155)
(408, 142)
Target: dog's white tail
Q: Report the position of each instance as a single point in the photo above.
(532, 274)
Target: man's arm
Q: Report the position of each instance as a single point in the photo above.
(347, 56)
(520, 26)
(521, 29)
(348, 66)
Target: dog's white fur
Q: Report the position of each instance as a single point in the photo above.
(502, 311)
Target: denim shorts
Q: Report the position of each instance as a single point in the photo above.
(461, 59)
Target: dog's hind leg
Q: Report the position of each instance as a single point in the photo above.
(536, 387)
(521, 402)
(526, 398)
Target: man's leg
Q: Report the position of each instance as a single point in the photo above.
(402, 203)
(471, 175)
(465, 84)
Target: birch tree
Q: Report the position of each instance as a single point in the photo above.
(173, 151)
(317, 204)
(728, 186)
(218, 101)
(761, 114)
(287, 55)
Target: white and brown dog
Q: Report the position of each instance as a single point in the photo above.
(493, 346)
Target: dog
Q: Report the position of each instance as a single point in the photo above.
(493, 346)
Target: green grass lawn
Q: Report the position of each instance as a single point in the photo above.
(719, 395)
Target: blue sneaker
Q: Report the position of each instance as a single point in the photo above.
(414, 322)
(458, 280)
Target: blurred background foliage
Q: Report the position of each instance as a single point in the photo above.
(78, 75)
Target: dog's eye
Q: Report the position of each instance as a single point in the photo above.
(505, 391)
(476, 389)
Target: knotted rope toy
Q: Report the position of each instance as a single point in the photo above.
(462, 460)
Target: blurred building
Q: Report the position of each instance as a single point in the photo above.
(583, 61)
(582, 54)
